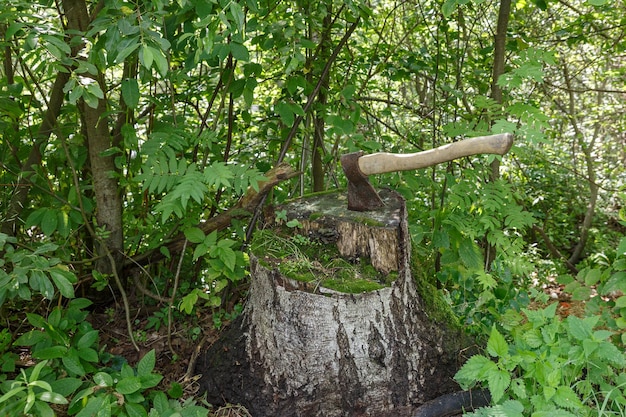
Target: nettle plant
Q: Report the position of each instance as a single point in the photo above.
(541, 365)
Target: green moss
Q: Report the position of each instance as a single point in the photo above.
(437, 307)
(354, 286)
(315, 216)
(301, 259)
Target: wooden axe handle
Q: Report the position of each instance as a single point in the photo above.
(379, 163)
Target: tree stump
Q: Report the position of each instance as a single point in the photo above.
(304, 348)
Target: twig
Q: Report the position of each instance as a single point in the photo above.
(171, 304)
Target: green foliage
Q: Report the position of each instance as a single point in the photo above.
(479, 218)
(549, 366)
(603, 290)
(72, 371)
(64, 338)
(30, 395)
(26, 272)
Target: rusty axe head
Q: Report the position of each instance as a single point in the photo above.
(363, 197)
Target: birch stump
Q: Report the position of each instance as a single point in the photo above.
(301, 348)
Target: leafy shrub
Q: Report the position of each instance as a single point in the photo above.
(550, 367)
(71, 371)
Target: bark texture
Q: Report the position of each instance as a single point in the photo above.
(323, 353)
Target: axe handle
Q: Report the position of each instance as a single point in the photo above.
(379, 163)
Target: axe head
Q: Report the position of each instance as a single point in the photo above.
(361, 195)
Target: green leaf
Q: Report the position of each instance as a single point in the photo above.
(474, 370)
(52, 397)
(36, 217)
(93, 408)
(617, 282)
(49, 222)
(66, 386)
(103, 379)
(73, 365)
(87, 340)
(285, 112)
(497, 346)
(146, 364)
(43, 409)
(135, 410)
(149, 381)
(581, 329)
(121, 56)
(11, 393)
(188, 302)
(509, 408)
(218, 174)
(52, 352)
(128, 385)
(581, 294)
(449, 6)
(130, 92)
(597, 2)
(146, 56)
(88, 354)
(37, 370)
(61, 279)
(239, 51)
(592, 276)
(228, 256)
(567, 398)
(498, 381)
(160, 402)
(160, 60)
(194, 235)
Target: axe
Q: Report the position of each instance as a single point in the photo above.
(363, 197)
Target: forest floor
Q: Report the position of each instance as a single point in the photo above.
(176, 348)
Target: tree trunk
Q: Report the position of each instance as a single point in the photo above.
(499, 55)
(303, 349)
(99, 140)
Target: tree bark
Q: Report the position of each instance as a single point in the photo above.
(99, 140)
(304, 350)
(499, 47)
